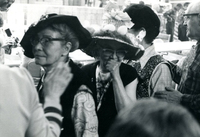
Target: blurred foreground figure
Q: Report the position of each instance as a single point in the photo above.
(164, 120)
(21, 113)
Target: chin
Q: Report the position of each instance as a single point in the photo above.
(40, 62)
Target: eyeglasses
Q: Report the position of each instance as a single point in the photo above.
(191, 14)
(110, 52)
(188, 16)
(44, 41)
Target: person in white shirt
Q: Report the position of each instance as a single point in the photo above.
(21, 114)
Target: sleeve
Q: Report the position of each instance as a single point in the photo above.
(128, 74)
(160, 78)
(43, 122)
(83, 114)
(191, 101)
(176, 71)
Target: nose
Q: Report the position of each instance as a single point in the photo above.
(38, 46)
(114, 55)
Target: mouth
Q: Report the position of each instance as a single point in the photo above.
(39, 56)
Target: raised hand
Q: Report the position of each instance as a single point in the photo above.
(113, 66)
(57, 81)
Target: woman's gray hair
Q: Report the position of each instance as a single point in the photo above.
(68, 34)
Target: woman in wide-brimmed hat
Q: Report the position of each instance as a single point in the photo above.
(50, 41)
(115, 81)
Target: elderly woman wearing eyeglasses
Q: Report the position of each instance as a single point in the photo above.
(50, 41)
(114, 82)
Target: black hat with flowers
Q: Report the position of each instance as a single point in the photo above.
(102, 38)
(72, 22)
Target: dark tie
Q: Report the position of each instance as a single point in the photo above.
(40, 90)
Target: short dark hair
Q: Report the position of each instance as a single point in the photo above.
(144, 17)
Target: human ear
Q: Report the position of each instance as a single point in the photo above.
(141, 34)
(66, 48)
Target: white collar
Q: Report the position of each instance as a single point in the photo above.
(105, 76)
(149, 52)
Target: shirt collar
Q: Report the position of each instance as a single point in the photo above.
(104, 76)
(149, 52)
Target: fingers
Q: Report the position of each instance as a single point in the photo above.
(160, 93)
(58, 80)
(115, 66)
(161, 96)
(112, 65)
(169, 89)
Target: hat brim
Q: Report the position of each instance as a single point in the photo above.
(72, 22)
(133, 53)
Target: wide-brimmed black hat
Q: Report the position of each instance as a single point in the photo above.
(72, 22)
(143, 16)
(102, 38)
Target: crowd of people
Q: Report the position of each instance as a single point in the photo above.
(127, 91)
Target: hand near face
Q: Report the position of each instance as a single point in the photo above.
(113, 66)
(56, 82)
(170, 95)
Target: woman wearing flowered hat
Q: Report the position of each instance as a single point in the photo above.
(153, 75)
(114, 82)
(49, 41)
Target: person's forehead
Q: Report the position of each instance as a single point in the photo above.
(193, 8)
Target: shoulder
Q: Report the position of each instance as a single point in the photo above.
(89, 67)
(157, 58)
(18, 80)
(128, 72)
(83, 95)
(127, 67)
(162, 66)
(14, 73)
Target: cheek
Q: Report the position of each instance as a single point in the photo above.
(120, 59)
(53, 53)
